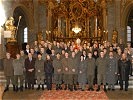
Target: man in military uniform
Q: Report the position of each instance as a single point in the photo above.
(111, 71)
(101, 63)
(82, 73)
(73, 71)
(8, 71)
(39, 71)
(23, 57)
(43, 52)
(58, 48)
(18, 67)
(90, 70)
(66, 71)
(57, 71)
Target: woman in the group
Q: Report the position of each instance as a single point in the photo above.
(48, 68)
(95, 56)
(82, 68)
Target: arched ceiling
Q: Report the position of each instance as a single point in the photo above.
(130, 19)
(19, 12)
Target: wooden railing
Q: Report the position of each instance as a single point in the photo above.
(91, 40)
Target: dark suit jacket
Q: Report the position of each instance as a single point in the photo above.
(30, 65)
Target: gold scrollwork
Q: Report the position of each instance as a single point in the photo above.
(77, 10)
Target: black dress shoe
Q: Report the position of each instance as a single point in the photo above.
(71, 89)
(98, 89)
(6, 89)
(42, 88)
(121, 88)
(109, 89)
(75, 88)
(89, 89)
(126, 89)
(113, 89)
(92, 89)
(38, 88)
(25, 87)
(21, 88)
(29, 87)
(60, 87)
(65, 87)
(32, 87)
(105, 90)
(16, 88)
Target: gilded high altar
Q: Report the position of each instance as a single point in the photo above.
(89, 15)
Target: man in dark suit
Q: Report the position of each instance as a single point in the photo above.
(30, 70)
(101, 64)
(27, 50)
(124, 70)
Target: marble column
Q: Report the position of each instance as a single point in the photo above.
(33, 32)
(88, 27)
(118, 17)
(1, 47)
(49, 17)
(35, 15)
(67, 27)
(110, 19)
(59, 25)
(104, 13)
(95, 26)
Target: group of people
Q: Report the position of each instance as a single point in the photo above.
(70, 66)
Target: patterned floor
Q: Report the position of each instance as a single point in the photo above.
(74, 95)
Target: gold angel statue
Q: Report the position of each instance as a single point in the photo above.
(114, 36)
(9, 26)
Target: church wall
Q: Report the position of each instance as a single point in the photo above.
(42, 19)
(28, 9)
(126, 6)
(118, 18)
(110, 19)
(118, 11)
(35, 12)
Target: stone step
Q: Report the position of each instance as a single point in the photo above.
(2, 80)
(116, 86)
(2, 76)
(131, 77)
(34, 86)
(1, 72)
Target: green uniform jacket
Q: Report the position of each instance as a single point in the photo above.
(57, 64)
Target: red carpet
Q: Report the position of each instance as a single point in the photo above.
(74, 95)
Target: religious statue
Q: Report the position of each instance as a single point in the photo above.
(56, 32)
(106, 36)
(114, 36)
(99, 33)
(40, 37)
(10, 27)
